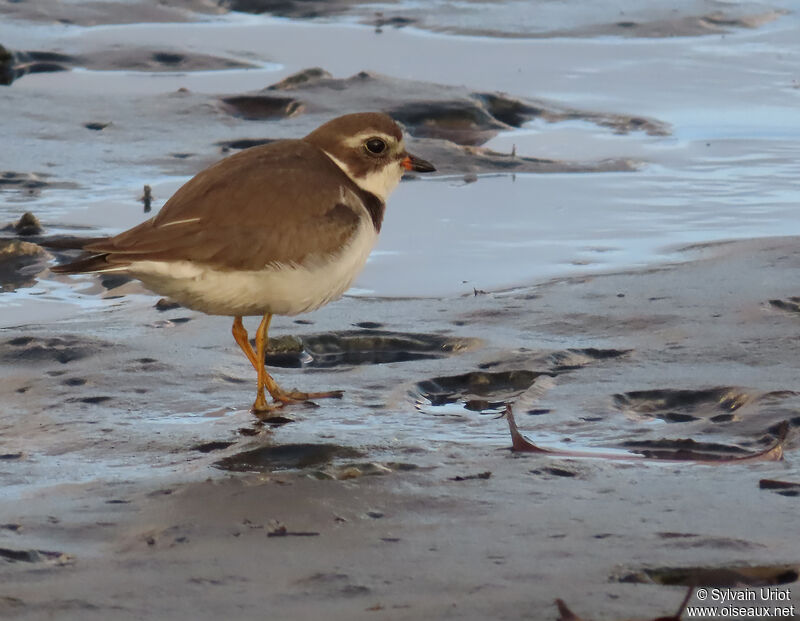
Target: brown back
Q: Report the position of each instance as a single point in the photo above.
(278, 203)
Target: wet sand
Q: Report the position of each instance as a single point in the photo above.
(148, 507)
(134, 482)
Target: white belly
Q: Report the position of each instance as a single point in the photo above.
(283, 290)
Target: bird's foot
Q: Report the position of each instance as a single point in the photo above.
(263, 410)
(266, 411)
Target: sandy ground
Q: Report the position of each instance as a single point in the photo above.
(134, 482)
(116, 476)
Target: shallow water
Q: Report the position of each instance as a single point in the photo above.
(109, 410)
(728, 169)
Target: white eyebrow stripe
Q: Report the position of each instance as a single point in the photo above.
(174, 222)
(355, 141)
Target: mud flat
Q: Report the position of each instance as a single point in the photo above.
(697, 150)
(126, 446)
(599, 251)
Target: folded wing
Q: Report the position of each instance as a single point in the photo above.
(281, 203)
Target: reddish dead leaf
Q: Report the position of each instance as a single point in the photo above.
(772, 453)
(565, 614)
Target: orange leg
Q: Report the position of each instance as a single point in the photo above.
(260, 404)
(265, 380)
(243, 341)
(240, 336)
(279, 394)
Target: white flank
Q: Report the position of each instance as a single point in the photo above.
(380, 183)
(282, 290)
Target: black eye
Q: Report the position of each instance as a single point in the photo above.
(375, 146)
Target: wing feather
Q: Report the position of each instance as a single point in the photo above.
(284, 202)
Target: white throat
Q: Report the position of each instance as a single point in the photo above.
(380, 183)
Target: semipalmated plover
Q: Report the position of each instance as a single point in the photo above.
(278, 229)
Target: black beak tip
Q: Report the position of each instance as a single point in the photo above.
(420, 165)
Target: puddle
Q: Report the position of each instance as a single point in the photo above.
(679, 406)
(683, 448)
(479, 391)
(719, 405)
(31, 182)
(361, 347)
(261, 107)
(790, 305)
(15, 64)
(35, 556)
(731, 576)
(462, 122)
(790, 489)
(572, 359)
(63, 349)
(286, 457)
(210, 447)
(492, 391)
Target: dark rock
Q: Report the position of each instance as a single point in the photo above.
(27, 225)
(20, 262)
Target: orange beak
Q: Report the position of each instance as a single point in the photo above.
(417, 164)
